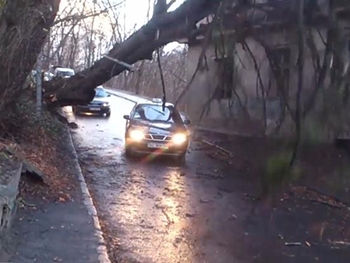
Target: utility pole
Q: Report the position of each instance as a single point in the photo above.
(39, 88)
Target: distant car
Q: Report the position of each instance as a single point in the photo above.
(98, 106)
(152, 129)
(61, 72)
(48, 76)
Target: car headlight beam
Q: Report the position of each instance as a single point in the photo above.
(179, 138)
(136, 135)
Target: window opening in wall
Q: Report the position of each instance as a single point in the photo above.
(225, 69)
(282, 60)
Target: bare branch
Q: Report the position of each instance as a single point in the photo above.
(126, 65)
(75, 17)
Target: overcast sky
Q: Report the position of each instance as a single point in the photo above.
(136, 11)
(136, 14)
(131, 12)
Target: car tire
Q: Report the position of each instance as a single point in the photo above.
(128, 153)
(108, 115)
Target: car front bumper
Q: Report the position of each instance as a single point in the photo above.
(148, 147)
(93, 109)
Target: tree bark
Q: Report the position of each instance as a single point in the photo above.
(160, 30)
(24, 26)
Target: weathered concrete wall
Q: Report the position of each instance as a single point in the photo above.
(9, 182)
(244, 112)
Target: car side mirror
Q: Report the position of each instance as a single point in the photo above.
(187, 122)
(127, 117)
(108, 95)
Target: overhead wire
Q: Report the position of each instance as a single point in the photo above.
(161, 77)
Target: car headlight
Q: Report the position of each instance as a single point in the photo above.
(105, 104)
(179, 138)
(136, 135)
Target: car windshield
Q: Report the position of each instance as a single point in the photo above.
(65, 73)
(101, 93)
(155, 113)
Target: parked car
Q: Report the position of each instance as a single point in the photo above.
(150, 128)
(48, 76)
(61, 72)
(98, 106)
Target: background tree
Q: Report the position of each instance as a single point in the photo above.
(24, 26)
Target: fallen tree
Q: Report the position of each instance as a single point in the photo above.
(163, 28)
(25, 24)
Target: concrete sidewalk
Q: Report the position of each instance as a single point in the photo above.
(63, 231)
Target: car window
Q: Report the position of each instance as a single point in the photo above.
(100, 93)
(155, 113)
(65, 73)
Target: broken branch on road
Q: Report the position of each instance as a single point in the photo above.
(218, 147)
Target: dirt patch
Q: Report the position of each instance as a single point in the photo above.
(308, 220)
(323, 167)
(42, 142)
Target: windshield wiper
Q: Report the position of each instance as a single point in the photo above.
(158, 111)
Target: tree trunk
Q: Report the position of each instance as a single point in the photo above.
(79, 89)
(139, 78)
(24, 25)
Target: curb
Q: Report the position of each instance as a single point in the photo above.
(88, 202)
(8, 206)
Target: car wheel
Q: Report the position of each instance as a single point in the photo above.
(108, 115)
(128, 152)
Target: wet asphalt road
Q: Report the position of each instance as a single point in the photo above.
(156, 211)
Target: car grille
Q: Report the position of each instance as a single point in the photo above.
(95, 103)
(154, 137)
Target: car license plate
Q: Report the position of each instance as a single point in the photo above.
(156, 145)
(94, 109)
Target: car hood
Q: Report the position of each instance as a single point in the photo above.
(100, 99)
(159, 127)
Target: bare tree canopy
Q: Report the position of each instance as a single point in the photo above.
(24, 26)
(163, 28)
